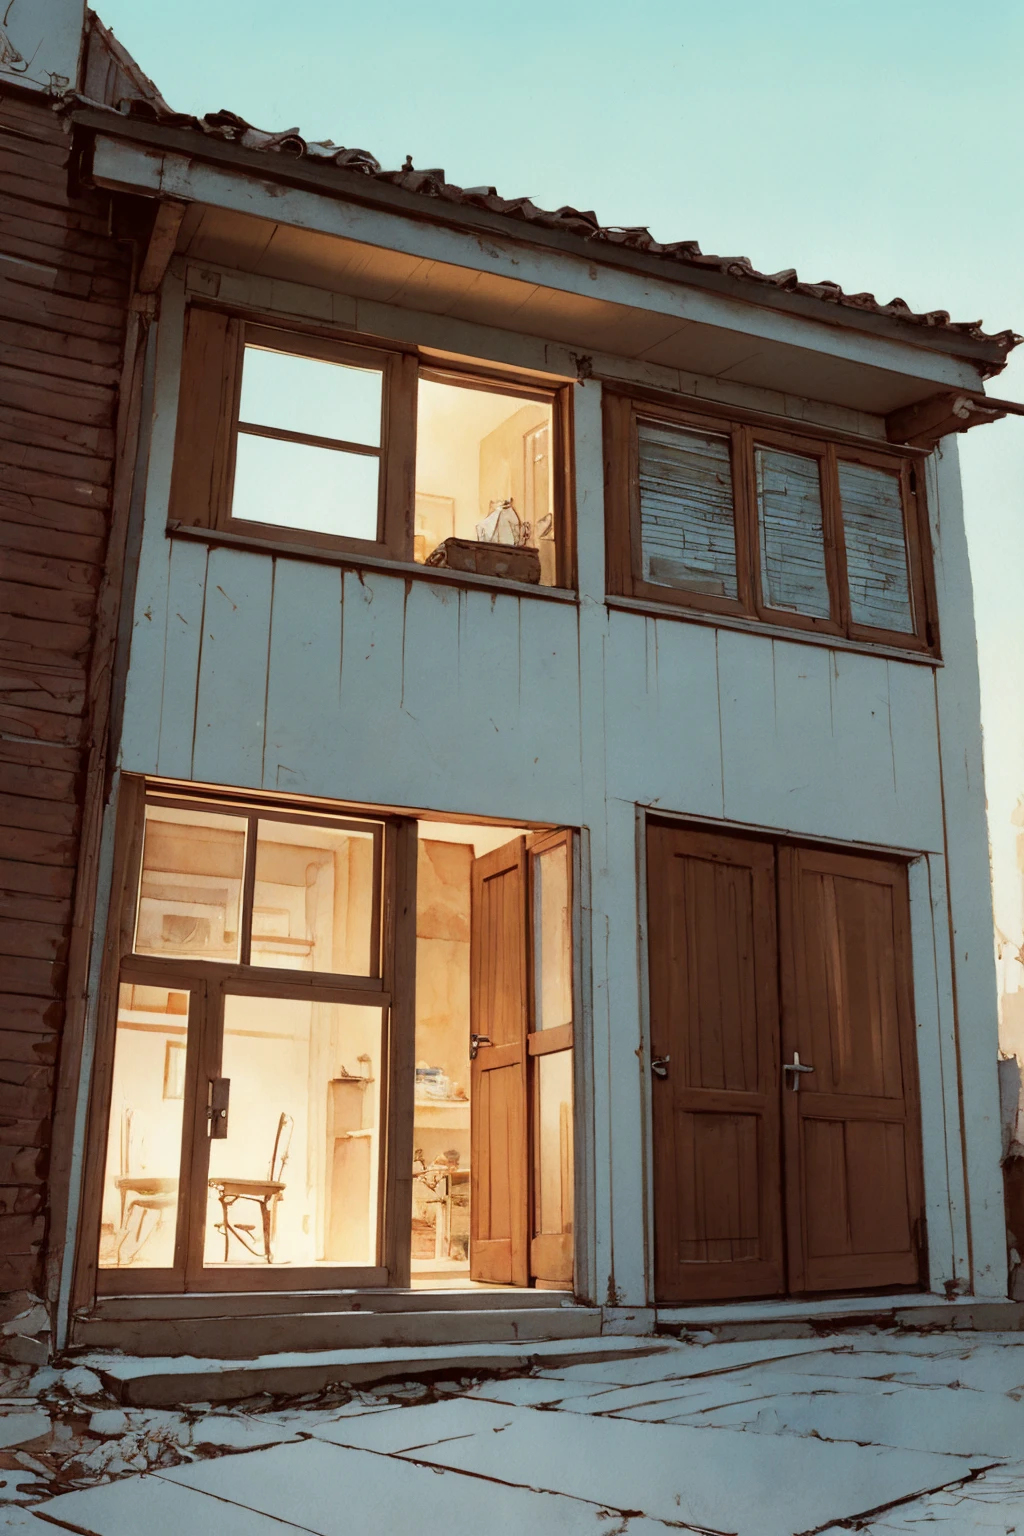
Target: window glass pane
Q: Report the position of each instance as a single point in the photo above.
(484, 472)
(294, 1182)
(793, 575)
(553, 1193)
(876, 548)
(313, 904)
(552, 939)
(191, 886)
(304, 394)
(140, 1184)
(687, 523)
(292, 485)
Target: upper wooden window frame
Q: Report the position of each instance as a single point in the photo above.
(202, 481)
(746, 432)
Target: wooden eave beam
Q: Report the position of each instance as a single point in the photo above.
(366, 191)
(922, 425)
(162, 240)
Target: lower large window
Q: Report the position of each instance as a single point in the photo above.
(300, 1089)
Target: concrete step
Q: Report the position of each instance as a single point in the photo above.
(800, 1319)
(248, 1335)
(163, 1382)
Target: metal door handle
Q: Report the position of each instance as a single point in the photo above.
(475, 1042)
(659, 1065)
(217, 1108)
(796, 1066)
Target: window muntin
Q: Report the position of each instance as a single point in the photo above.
(307, 452)
(797, 562)
(876, 548)
(484, 470)
(791, 533)
(687, 523)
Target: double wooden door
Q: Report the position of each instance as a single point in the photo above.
(785, 1113)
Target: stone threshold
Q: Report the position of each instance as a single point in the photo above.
(222, 1333)
(164, 1382)
(804, 1318)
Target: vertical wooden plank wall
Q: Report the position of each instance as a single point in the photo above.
(64, 286)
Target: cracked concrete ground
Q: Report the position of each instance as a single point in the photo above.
(875, 1432)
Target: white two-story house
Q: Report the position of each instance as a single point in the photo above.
(542, 881)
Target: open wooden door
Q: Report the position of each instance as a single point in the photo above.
(851, 1126)
(551, 1060)
(715, 1066)
(499, 1161)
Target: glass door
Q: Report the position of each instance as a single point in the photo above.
(245, 1098)
(294, 1146)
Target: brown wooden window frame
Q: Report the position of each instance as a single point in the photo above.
(746, 432)
(202, 482)
(209, 982)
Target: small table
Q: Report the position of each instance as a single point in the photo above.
(266, 1193)
(441, 1179)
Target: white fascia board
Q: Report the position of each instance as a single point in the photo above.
(124, 167)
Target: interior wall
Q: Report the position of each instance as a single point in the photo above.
(502, 462)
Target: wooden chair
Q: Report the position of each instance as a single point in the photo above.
(141, 1195)
(263, 1192)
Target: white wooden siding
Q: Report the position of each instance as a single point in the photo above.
(287, 675)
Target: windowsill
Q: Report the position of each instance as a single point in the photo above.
(651, 610)
(356, 562)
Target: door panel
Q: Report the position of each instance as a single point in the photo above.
(498, 1011)
(714, 1018)
(852, 1147)
(549, 856)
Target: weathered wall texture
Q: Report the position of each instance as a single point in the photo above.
(289, 676)
(63, 301)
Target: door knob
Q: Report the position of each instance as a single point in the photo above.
(796, 1066)
(659, 1066)
(475, 1042)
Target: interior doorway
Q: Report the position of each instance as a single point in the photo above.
(493, 1164)
(787, 1144)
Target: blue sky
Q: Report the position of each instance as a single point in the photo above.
(879, 145)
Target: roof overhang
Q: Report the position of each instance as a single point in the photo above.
(307, 223)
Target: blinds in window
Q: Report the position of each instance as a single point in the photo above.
(687, 522)
(876, 548)
(793, 574)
